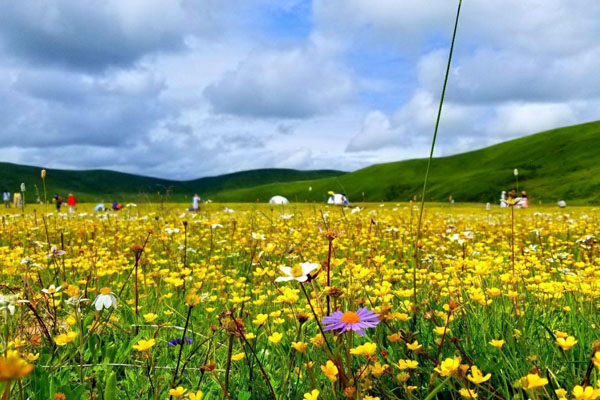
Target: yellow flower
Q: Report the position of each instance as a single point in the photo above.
(394, 337)
(367, 349)
(517, 333)
(33, 357)
(596, 359)
(299, 346)
(317, 340)
(377, 369)
(238, 356)
(477, 376)
(440, 330)
(177, 392)
(407, 364)
(196, 396)
(192, 299)
(413, 346)
(314, 395)
(13, 367)
(448, 367)
(585, 393)
(532, 381)
(566, 343)
(330, 371)
(144, 345)
(468, 393)
(64, 339)
(498, 343)
(71, 320)
(403, 376)
(260, 319)
(150, 317)
(275, 337)
(560, 334)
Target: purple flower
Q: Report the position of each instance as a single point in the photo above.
(177, 341)
(356, 321)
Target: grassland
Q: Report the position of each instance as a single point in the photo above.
(153, 303)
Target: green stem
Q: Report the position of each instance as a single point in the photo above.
(435, 131)
(437, 388)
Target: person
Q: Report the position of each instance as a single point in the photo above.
(6, 198)
(99, 207)
(17, 199)
(71, 203)
(116, 206)
(195, 203)
(524, 201)
(58, 200)
(503, 202)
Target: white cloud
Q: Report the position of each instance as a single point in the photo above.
(375, 133)
(297, 82)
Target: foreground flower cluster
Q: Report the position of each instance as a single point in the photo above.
(302, 302)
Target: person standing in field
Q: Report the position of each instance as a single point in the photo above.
(195, 203)
(71, 203)
(58, 200)
(6, 198)
(17, 199)
(524, 201)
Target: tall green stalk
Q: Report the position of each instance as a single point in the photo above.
(435, 131)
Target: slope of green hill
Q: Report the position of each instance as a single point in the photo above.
(562, 163)
(103, 185)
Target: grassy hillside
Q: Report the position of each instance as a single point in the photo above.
(561, 163)
(102, 185)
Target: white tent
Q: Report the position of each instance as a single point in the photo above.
(278, 200)
(337, 198)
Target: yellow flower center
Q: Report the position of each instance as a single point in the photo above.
(350, 318)
(105, 290)
(297, 270)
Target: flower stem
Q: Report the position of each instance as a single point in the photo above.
(435, 131)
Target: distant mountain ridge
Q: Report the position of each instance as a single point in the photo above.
(105, 185)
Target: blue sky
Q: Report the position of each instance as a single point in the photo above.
(183, 89)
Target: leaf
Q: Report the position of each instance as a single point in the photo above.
(243, 396)
(110, 389)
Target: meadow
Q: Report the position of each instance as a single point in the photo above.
(300, 302)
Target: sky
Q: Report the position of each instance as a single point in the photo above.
(182, 89)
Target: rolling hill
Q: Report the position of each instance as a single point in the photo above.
(103, 185)
(561, 163)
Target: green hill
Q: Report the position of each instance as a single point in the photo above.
(102, 185)
(562, 163)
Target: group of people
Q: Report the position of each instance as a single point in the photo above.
(59, 201)
(12, 200)
(511, 196)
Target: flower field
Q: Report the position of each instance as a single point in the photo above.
(300, 302)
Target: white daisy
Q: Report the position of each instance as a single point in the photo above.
(105, 299)
(299, 272)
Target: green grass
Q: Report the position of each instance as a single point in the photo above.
(558, 164)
